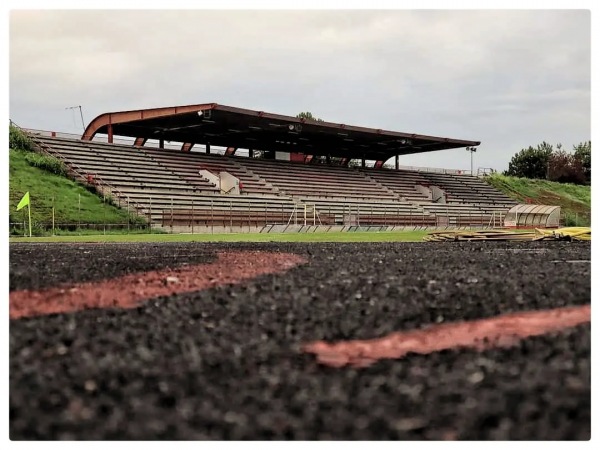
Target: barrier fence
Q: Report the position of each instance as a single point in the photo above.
(49, 215)
(55, 215)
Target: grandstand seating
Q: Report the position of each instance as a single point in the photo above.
(466, 188)
(165, 186)
(316, 180)
(402, 182)
(188, 164)
(119, 165)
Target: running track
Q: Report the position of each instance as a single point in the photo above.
(300, 341)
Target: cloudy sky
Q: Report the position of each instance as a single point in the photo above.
(509, 79)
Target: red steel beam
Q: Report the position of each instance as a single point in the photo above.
(115, 118)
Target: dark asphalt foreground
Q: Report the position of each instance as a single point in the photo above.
(225, 363)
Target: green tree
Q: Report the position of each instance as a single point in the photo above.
(308, 115)
(531, 162)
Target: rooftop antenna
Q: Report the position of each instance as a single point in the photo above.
(80, 113)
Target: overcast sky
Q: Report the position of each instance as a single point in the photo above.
(509, 79)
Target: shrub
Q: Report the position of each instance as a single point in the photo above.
(18, 140)
(576, 220)
(47, 163)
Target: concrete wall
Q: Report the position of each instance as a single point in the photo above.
(302, 229)
(211, 177)
(424, 190)
(282, 156)
(229, 183)
(438, 194)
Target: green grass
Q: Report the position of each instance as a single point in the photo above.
(383, 236)
(574, 200)
(522, 188)
(46, 188)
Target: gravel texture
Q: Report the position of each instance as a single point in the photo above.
(226, 362)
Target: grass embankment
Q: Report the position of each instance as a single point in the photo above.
(73, 203)
(574, 200)
(383, 236)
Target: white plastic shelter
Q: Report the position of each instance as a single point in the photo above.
(532, 216)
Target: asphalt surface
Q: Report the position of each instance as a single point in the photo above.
(225, 363)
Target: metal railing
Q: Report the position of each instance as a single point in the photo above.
(204, 215)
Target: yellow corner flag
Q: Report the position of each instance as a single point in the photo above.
(24, 201)
(22, 204)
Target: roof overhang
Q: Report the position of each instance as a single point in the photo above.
(228, 126)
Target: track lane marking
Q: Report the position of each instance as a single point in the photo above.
(501, 331)
(131, 290)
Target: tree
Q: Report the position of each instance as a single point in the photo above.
(308, 115)
(546, 162)
(583, 153)
(564, 167)
(531, 162)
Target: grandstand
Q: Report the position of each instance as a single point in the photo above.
(288, 184)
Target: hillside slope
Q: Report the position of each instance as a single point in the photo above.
(46, 188)
(574, 200)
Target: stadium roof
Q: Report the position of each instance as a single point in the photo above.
(228, 126)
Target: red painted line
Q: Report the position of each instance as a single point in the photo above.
(131, 290)
(501, 331)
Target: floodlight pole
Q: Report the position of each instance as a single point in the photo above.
(472, 150)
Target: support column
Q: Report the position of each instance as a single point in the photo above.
(250, 153)
(397, 162)
(363, 163)
(208, 148)
(110, 133)
(161, 143)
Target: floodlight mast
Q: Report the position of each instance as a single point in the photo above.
(80, 114)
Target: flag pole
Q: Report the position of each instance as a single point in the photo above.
(29, 212)
(26, 202)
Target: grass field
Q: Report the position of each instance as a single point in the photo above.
(384, 236)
